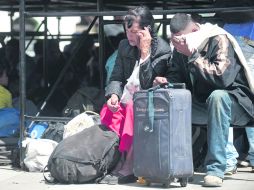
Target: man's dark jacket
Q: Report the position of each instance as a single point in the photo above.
(155, 65)
(215, 67)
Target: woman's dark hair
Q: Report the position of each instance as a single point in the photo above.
(142, 15)
(179, 22)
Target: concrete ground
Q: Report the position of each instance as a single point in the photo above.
(15, 179)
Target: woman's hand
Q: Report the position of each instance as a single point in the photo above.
(159, 80)
(145, 40)
(113, 103)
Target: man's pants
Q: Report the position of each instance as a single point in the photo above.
(219, 112)
(250, 136)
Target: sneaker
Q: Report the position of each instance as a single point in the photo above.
(127, 179)
(243, 163)
(109, 179)
(231, 172)
(212, 181)
(118, 179)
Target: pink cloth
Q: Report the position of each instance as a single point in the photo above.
(121, 122)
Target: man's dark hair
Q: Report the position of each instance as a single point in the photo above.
(179, 22)
(142, 15)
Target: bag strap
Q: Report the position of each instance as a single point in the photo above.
(91, 112)
(150, 109)
(88, 96)
(48, 178)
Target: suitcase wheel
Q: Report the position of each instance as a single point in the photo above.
(147, 183)
(183, 182)
(166, 185)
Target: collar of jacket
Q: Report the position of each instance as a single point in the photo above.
(154, 45)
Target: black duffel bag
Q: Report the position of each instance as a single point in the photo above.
(85, 157)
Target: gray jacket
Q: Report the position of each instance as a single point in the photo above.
(155, 65)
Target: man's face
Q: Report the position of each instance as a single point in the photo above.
(132, 34)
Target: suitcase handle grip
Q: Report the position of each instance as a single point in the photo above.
(168, 85)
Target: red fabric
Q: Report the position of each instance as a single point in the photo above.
(121, 122)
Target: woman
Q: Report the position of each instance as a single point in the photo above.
(141, 57)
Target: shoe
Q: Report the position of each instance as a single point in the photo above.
(243, 163)
(212, 181)
(109, 179)
(118, 179)
(127, 179)
(231, 172)
(252, 169)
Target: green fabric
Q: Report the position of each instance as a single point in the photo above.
(150, 110)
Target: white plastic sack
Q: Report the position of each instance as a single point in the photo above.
(132, 86)
(38, 152)
(79, 123)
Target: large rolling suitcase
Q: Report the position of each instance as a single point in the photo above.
(162, 135)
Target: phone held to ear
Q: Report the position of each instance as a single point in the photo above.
(149, 28)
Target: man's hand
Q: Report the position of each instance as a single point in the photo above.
(113, 103)
(144, 42)
(159, 80)
(181, 46)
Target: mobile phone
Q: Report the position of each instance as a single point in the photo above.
(149, 28)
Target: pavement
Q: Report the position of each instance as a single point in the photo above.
(16, 179)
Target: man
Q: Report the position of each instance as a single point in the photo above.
(211, 64)
(141, 57)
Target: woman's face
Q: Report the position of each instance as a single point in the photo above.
(132, 34)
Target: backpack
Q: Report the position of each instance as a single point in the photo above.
(85, 157)
(84, 99)
(54, 131)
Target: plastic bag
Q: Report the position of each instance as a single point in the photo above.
(80, 122)
(38, 152)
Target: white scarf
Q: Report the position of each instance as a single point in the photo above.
(197, 40)
(133, 85)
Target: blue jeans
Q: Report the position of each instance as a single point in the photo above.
(250, 136)
(231, 152)
(222, 111)
(199, 117)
